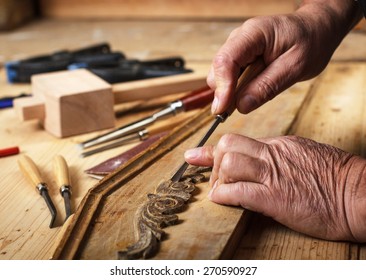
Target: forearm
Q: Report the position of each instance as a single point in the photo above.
(342, 14)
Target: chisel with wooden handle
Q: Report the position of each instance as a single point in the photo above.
(250, 72)
(61, 171)
(31, 172)
(196, 99)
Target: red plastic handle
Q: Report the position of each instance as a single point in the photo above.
(198, 98)
(9, 151)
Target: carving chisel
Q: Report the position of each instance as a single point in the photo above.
(31, 172)
(251, 72)
(61, 171)
(141, 135)
(196, 99)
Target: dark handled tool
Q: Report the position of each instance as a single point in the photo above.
(62, 174)
(142, 134)
(252, 71)
(30, 171)
(196, 99)
(126, 70)
(22, 70)
(114, 75)
(176, 62)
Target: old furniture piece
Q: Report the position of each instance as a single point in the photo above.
(329, 108)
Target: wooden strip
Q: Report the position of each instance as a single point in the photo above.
(156, 87)
(164, 8)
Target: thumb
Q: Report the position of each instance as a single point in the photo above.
(203, 156)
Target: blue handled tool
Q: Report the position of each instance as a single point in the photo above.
(7, 101)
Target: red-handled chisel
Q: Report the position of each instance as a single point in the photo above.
(196, 99)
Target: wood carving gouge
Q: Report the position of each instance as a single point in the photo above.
(31, 172)
(250, 73)
(61, 171)
(194, 100)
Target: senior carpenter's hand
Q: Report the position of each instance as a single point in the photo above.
(294, 47)
(310, 187)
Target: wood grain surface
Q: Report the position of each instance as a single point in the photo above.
(164, 8)
(335, 99)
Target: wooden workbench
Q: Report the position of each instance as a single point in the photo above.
(329, 109)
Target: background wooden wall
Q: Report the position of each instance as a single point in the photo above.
(202, 9)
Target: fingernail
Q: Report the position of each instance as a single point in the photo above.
(191, 154)
(214, 106)
(209, 195)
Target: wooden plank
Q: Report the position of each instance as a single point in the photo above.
(362, 252)
(163, 8)
(269, 240)
(196, 41)
(334, 115)
(110, 228)
(157, 87)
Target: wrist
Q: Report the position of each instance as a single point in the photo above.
(355, 198)
(334, 17)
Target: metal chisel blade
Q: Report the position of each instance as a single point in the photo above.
(117, 133)
(126, 139)
(219, 119)
(50, 205)
(67, 200)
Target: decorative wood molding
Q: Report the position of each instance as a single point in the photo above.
(159, 211)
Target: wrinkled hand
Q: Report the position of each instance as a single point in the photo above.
(310, 187)
(294, 47)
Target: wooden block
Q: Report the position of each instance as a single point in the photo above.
(29, 108)
(76, 102)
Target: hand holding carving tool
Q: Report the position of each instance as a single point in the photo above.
(31, 172)
(61, 171)
(251, 72)
(142, 134)
(194, 100)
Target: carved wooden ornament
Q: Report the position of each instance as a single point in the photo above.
(160, 211)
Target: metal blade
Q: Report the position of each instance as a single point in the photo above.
(50, 205)
(122, 131)
(219, 119)
(66, 195)
(117, 143)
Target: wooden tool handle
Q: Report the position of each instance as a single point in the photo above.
(30, 170)
(198, 98)
(61, 171)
